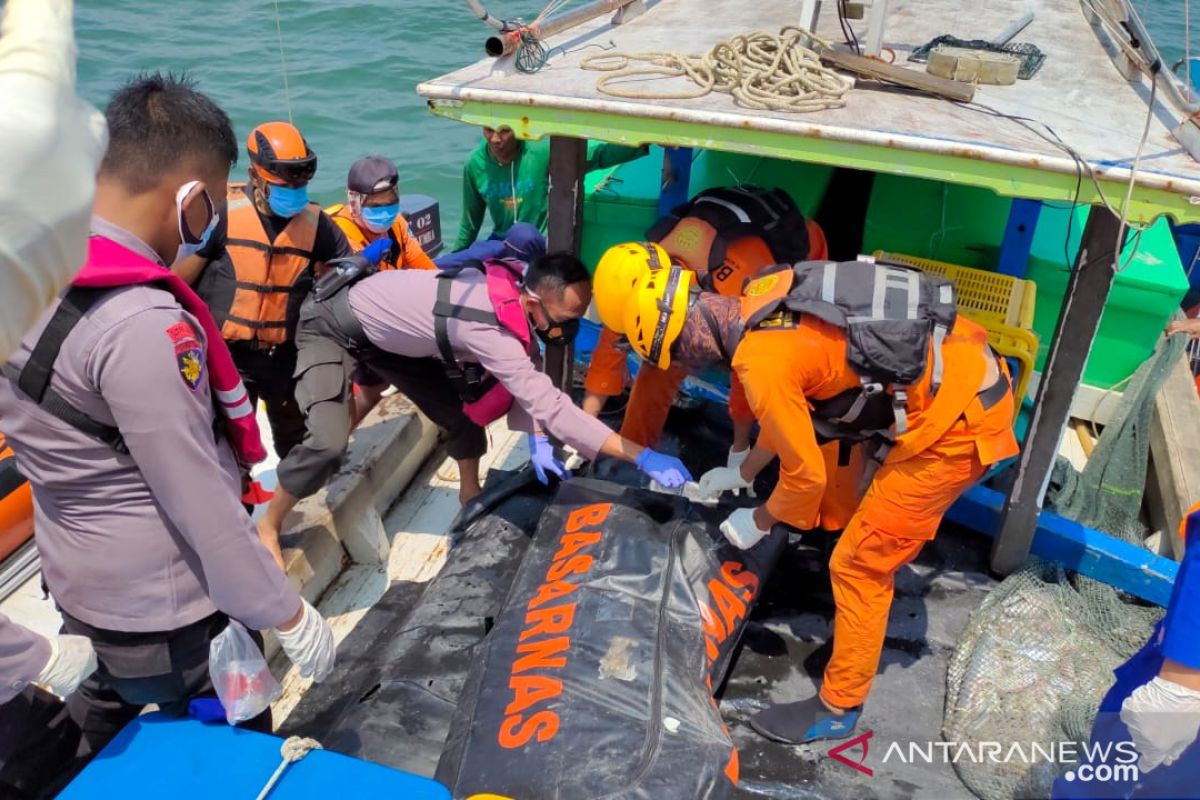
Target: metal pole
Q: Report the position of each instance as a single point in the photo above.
(565, 223)
(1083, 305)
(506, 42)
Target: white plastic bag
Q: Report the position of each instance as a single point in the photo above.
(240, 674)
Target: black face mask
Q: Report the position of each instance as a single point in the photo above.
(555, 332)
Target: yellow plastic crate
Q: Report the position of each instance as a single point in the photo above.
(986, 297)
(1003, 305)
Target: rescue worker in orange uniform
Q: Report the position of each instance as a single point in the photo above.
(277, 242)
(945, 428)
(723, 235)
(371, 216)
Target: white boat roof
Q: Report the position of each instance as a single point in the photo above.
(1078, 93)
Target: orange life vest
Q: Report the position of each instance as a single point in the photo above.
(270, 278)
(394, 258)
(16, 504)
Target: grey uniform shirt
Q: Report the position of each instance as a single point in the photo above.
(156, 539)
(23, 654)
(395, 309)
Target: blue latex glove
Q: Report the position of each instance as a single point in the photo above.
(376, 250)
(541, 455)
(669, 471)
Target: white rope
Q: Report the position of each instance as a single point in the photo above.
(1137, 160)
(294, 749)
(760, 70)
(1187, 47)
(287, 92)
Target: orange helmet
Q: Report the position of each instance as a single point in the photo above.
(279, 154)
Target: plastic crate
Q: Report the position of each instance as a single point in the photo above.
(986, 297)
(1003, 305)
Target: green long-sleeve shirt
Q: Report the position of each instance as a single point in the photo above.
(519, 191)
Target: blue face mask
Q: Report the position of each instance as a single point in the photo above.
(286, 201)
(379, 218)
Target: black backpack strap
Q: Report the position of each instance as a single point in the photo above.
(34, 378)
(469, 383)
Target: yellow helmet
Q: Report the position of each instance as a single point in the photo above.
(655, 315)
(617, 274)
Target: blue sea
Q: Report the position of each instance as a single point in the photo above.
(352, 67)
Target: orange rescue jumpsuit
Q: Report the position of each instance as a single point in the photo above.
(951, 439)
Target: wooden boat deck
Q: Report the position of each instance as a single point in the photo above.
(1078, 93)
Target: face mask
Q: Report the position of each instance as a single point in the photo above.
(555, 332)
(286, 201)
(189, 242)
(379, 219)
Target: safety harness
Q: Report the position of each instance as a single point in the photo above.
(484, 398)
(733, 213)
(893, 317)
(34, 378)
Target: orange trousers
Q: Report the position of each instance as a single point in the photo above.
(900, 512)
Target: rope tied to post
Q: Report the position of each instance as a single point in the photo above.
(760, 70)
(293, 749)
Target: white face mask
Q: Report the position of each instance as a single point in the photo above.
(189, 243)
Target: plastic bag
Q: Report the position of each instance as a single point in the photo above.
(240, 674)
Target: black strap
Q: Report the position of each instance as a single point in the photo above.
(34, 378)
(442, 311)
(11, 478)
(35, 375)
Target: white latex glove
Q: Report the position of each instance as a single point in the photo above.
(725, 479)
(741, 530)
(72, 660)
(736, 459)
(1163, 718)
(310, 644)
(52, 146)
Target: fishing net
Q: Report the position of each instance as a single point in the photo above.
(1037, 655)
(1031, 55)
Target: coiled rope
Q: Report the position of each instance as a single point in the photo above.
(292, 750)
(760, 70)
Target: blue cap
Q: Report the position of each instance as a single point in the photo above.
(525, 241)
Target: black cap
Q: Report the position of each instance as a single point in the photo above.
(371, 175)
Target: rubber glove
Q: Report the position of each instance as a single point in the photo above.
(1163, 718)
(376, 250)
(310, 644)
(72, 660)
(541, 455)
(53, 143)
(741, 530)
(735, 459)
(669, 471)
(725, 479)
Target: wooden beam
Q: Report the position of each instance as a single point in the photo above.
(1128, 567)
(901, 76)
(1083, 305)
(565, 227)
(1174, 484)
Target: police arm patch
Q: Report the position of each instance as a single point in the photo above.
(189, 354)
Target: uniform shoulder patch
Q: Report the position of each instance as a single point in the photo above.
(189, 354)
(760, 286)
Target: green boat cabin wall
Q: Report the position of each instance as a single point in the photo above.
(965, 225)
(930, 219)
(622, 202)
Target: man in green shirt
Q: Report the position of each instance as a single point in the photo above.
(510, 178)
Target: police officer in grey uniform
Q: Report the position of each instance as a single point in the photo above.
(148, 553)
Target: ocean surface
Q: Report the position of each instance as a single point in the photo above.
(352, 68)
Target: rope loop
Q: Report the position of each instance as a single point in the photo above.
(769, 72)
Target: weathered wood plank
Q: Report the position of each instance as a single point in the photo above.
(565, 228)
(1087, 292)
(1174, 453)
(900, 76)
